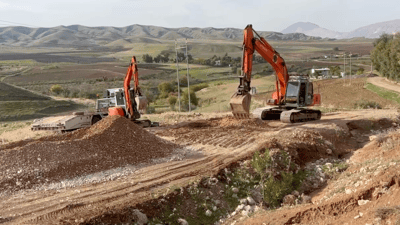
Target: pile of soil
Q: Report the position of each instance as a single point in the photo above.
(111, 143)
(230, 121)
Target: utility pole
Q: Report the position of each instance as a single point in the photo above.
(177, 77)
(187, 68)
(350, 68)
(344, 67)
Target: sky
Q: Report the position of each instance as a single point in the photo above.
(265, 15)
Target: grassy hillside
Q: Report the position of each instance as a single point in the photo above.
(18, 104)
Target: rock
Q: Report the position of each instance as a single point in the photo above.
(329, 165)
(215, 208)
(245, 213)
(217, 202)
(348, 191)
(372, 137)
(289, 200)
(243, 201)
(362, 202)
(139, 218)
(251, 201)
(328, 142)
(234, 196)
(305, 199)
(356, 217)
(384, 183)
(182, 222)
(235, 190)
(239, 207)
(208, 212)
(363, 169)
(329, 151)
(295, 193)
(248, 208)
(256, 195)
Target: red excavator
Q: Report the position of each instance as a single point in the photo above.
(293, 92)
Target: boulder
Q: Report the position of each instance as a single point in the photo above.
(139, 217)
(289, 200)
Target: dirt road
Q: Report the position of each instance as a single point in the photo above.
(382, 82)
(214, 145)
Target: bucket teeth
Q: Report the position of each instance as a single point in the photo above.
(241, 115)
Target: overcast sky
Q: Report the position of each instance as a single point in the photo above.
(265, 15)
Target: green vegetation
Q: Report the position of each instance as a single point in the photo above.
(280, 178)
(366, 104)
(24, 110)
(386, 56)
(384, 93)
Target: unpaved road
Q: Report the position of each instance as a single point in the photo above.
(381, 82)
(219, 144)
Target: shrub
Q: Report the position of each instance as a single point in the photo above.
(56, 89)
(193, 98)
(172, 101)
(277, 176)
(198, 87)
(365, 104)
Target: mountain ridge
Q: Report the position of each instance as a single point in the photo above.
(78, 35)
(369, 31)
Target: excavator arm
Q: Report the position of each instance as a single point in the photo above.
(240, 100)
(140, 100)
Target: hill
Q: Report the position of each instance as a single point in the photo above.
(77, 35)
(370, 31)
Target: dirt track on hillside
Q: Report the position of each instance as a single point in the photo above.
(382, 82)
(213, 144)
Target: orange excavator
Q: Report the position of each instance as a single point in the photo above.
(128, 102)
(293, 92)
(134, 101)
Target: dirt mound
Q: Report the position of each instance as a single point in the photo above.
(230, 121)
(111, 143)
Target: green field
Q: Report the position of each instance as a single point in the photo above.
(19, 104)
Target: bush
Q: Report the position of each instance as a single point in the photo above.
(193, 98)
(198, 87)
(172, 101)
(56, 89)
(277, 176)
(365, 104)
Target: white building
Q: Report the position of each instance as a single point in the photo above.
(325, 72)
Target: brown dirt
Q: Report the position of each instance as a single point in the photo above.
(222, 141)
(111, 143)
(376, 167)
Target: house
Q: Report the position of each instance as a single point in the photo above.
(324, 72)
(218, 62)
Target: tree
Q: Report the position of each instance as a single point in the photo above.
(386, 56)
(193, 98)
(57, 89)
(172, 101)
(165, 88)
(147, 58)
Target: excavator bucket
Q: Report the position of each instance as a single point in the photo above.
(240, 105)
(141, 102)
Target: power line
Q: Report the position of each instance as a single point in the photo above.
(18, 23)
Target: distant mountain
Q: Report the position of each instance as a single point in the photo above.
(375, 30)
(311, 29)
(370, 31)
(77, 35)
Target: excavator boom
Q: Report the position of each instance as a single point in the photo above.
(140, 99)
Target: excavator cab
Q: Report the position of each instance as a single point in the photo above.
(299, 92)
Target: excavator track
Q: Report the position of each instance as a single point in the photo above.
(300, 115)
(287, 115)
